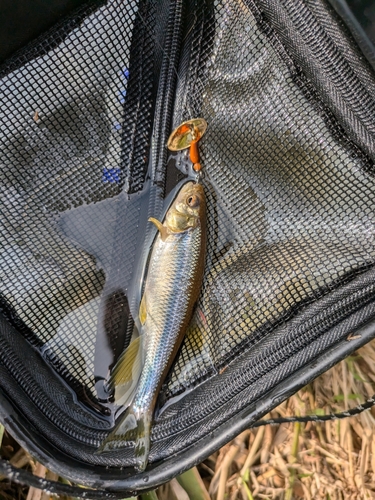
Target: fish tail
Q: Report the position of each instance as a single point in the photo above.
(134, 426)
(142, 441)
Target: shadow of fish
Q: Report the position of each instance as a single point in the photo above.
(172, 287)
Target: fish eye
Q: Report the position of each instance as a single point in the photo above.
(193, 201)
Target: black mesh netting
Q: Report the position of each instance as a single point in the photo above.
(289, 180)
(290, 203)
(61, 152)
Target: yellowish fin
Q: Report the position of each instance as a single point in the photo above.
(126, 373)
(162, 229)
(143, 311)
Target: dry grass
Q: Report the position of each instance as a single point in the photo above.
(330, 461)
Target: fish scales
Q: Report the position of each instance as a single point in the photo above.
(171, 282)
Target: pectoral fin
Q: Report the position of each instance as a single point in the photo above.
(162, 229)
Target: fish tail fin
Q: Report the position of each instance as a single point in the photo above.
(134, 426)
(142, 441)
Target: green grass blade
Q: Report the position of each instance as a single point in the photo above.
(247, 489)
(192, 483)
(150, 495)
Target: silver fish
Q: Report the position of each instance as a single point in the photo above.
(172, 287)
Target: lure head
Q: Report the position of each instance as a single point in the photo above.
(187, 210)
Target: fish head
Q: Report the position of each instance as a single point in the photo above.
(188, 208)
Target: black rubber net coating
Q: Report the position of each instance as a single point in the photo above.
(288, 162)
